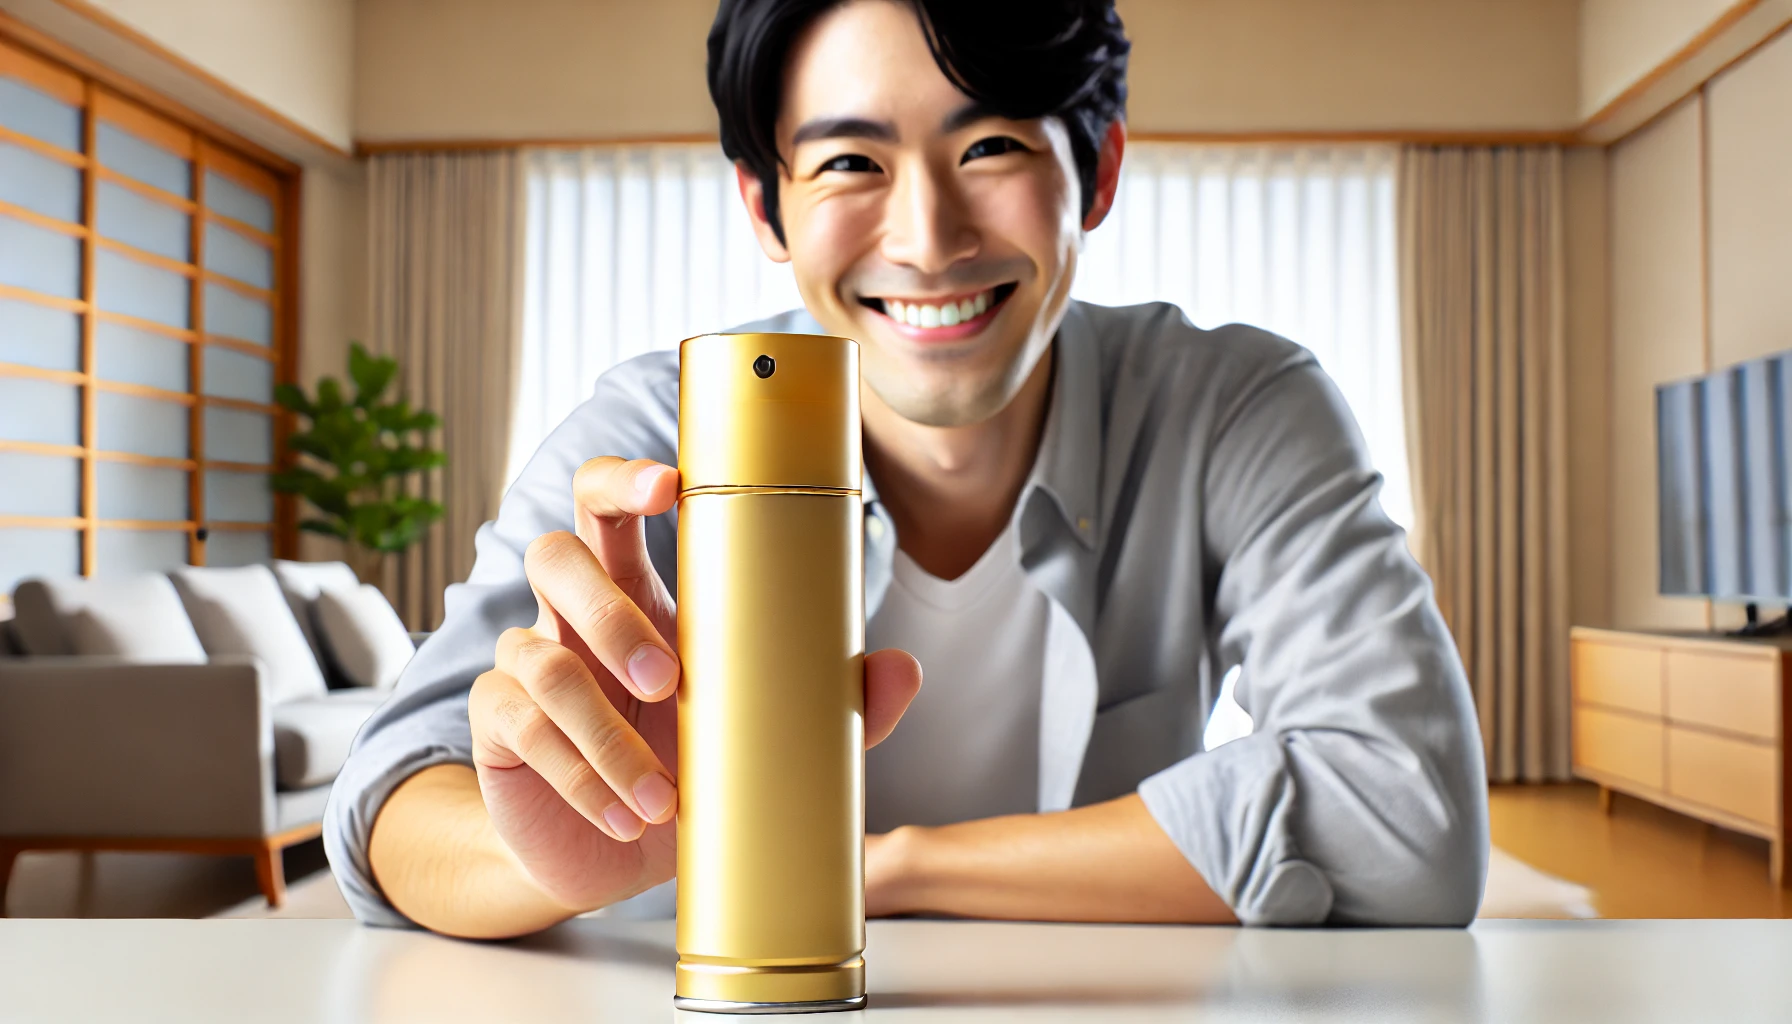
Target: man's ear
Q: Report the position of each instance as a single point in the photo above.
(1107, 174)
(752, 193)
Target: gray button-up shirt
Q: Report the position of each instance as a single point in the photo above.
(1200, 500)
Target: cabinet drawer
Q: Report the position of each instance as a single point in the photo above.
(1619, 744)
(1737, 692)
(1617, 675)
(1728, 774)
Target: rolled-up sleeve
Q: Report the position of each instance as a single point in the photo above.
(632, 413)
(1360, 796)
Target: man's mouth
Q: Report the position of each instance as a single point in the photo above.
(944, 312)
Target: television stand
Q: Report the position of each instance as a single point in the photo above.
(1781, 626)
(1696, 723)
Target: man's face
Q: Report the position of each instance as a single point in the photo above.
(940, 236)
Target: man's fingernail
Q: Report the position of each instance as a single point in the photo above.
(655, 793)
(622, 821)
(645, 480)
(651, 669)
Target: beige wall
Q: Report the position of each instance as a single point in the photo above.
(530, 68)
(1623, 40)
(293, 55)
(438, 69)
(1657, 332)
(1358, 64)
(1750, 163)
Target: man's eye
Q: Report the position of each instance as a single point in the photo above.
(995, 145)
(851, 162)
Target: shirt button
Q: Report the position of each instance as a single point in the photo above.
(874, 527)
(1082, 524)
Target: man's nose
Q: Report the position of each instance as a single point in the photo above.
(927, 223)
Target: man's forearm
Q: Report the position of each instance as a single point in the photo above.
(1105, 862)
(440, 862)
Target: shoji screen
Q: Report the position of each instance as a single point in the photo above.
(138, 335)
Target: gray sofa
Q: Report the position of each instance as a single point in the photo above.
(213, 720)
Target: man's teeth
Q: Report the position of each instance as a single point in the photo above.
(948, 314)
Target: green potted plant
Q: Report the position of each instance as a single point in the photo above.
(355, 456)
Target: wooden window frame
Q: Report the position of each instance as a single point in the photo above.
(101, 94)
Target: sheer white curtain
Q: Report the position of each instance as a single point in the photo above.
(1299, 240)
(636, 247)
(629, 249)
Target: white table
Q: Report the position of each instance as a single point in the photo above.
(596, 970)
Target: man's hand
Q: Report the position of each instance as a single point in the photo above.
(574, 732)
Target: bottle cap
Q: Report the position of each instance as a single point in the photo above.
(769, 410)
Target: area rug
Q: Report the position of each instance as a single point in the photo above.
(1515, 889)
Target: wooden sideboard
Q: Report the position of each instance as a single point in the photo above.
(1695, 723)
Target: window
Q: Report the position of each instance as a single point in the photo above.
(139, 335)
(634, 248)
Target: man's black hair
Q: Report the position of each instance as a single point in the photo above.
(1020, 58)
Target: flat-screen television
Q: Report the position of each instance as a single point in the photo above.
(1726, 486)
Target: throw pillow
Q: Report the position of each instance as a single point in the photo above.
(138, 618)
(364, 635)
(301, 582)
(241, 611)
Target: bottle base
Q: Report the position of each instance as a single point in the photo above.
(723, 987)
(725, 1006)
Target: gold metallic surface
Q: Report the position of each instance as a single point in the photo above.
(797, 428)
(771, 632)
(759, 986)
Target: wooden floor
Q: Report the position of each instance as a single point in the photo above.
(1641, 861)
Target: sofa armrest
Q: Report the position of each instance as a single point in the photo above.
(104, 747)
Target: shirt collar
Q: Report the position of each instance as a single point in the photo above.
(1067, 467)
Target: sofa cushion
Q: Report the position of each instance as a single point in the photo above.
(301, 582)
(312, 736)
(364, 635)
(241, 611)
(140, 618)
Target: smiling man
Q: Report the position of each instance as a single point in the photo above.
(1078, 519)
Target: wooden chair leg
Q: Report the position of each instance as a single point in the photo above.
(270, 871)
(8, 854)
(1605, 799)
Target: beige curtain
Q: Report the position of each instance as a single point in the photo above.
(444, 259)
(1483, 343)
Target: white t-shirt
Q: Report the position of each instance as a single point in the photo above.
(968, 747)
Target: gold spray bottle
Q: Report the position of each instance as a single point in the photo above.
(771, 633)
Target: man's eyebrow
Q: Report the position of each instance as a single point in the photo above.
(843, 128)
(966, 116)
